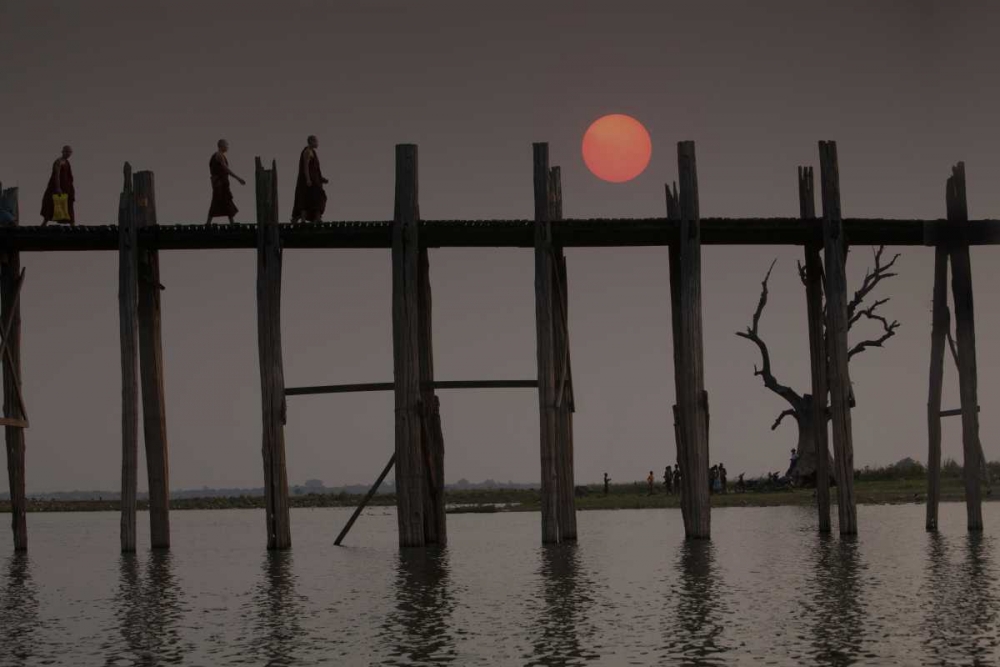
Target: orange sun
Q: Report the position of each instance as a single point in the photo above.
(616, 148)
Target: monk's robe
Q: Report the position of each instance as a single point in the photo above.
(222, 194)
(61, 178)
(310, 200)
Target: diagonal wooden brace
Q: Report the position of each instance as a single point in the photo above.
(23, 422)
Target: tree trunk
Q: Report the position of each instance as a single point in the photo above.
(805, 467)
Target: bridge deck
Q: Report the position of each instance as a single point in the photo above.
(499, 233)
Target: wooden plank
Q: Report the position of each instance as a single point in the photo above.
(954, 412)
(692, 402)
(817, 351)
(154, 418)
(940, 325)
(389, 386)
(545, 347)
(836, 331)
(411, 473)
(272, 377)
(563, 408)
(432, 436)
(11, 279)
(965, 335)
(365, 500)
(129, 334)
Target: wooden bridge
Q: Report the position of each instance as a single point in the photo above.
(419, 443)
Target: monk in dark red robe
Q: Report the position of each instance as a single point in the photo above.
(60, 183)
(310, 198)
(222, 194)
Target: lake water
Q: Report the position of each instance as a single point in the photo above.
(765, 590)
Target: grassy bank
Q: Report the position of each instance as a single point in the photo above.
(620, 496)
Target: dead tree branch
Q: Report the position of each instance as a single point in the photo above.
(873, 277)
(790, 412)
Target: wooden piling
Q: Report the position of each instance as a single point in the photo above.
(411, 466)
(564, 404)
(545, 347)
(154, 418)
(10, 311)
(965, 335)
(817, 350)
(432, 436)
(272, 377)
(689, 370)
(940, 324)
(836, 330)
(128, 249)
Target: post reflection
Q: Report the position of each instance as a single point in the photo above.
(961, 624)
(149, 609)
(276, 611)
(696, 593)
(557, 633)
(839, 623)
(18, 611)
(418, 628)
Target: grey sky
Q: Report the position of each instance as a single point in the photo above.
(906, 90)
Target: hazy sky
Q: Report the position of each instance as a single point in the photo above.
(905, 89)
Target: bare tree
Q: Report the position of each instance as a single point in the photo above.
(800, 404)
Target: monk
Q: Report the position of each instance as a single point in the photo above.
(222, 195)
(310, 199)
(60, 183)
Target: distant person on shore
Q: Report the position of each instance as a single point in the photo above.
(651, 481)
(713, 475)
(677, 478)
(222, 195)
(60, 183)
(310, 198)
(792, 463)
(668, 479)
(722, 479)
(606, 480)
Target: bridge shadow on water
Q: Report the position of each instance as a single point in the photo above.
(18, 611)
(836, 594)
(696, 608)
(417, 629)
(559, 630)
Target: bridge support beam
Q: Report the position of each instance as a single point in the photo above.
(128, 258)
(272, 377)
(10, 311)
(834, 247)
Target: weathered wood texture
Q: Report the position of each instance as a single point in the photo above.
(154, 416)
(365, 500)
(272, 376)
(389, 386)
(128, 250)
(564, 405)
(817, 350)
(689, 373)
(674, 270)
(432, 435)
(839, 379)
(545, 347)
(965, 336)
(940, 324)
(411, 469)
(11, 278)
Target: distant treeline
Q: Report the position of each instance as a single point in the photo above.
(910, 469)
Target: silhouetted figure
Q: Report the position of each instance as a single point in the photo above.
(722, 478)
(310, 198)
(668, 479)
(741, 486)
(677, 478)
(713, 475)
(650, 480)
(606, 480)
(222, 195)
(60, 183)
(792, 462)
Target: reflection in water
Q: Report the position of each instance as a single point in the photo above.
(839, 626)
(417, 628)
(961, 621)
(555, 634)
(18, 611)
(696, 592)
(148, 611)
(277, 611)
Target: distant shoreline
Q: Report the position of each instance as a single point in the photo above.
(621, 496)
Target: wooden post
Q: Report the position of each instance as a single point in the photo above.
(674, 257)
(564, 405)
(940, 324)
(10, 311)
(817, 350)
(128, 248)
(689, 371)
(545, 347)
(154, 418)
(965, 334)
(836, 331)
(411, 469)
(272, 376)
(432, 436)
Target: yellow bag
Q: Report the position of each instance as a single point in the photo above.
(60, 208)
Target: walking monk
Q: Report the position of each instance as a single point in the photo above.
(222, 195)
(310, 199)
(60, 183)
